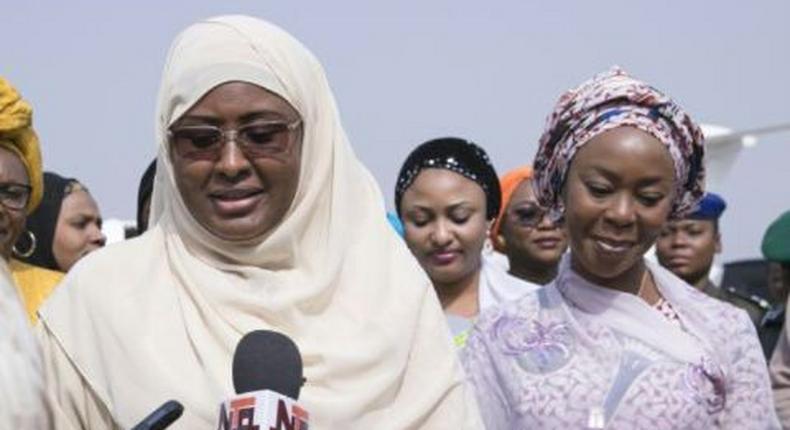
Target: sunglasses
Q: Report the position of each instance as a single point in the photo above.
(264, 139)
(529, 215)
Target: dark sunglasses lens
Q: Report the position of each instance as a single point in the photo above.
(263, 140)
(197, 142)
(529, 215)
(198, 138)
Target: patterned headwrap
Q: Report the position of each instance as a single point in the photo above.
(607, 101)
(17, 136)
(457, 155)
(508, 185)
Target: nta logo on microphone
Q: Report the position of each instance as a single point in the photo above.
(262, 410)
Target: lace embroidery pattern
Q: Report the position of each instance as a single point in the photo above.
(504, 362)
(539, 347)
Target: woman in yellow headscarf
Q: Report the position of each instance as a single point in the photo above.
(21, 188)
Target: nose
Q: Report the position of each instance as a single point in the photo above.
(232, 162)
(441, 234)
(678, 239)
(96, 236)
(621, 211)
(546, 223)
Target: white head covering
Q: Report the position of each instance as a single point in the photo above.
(333, 275)
(22, 403)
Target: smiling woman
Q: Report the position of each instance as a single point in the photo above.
(616, 341)
(447, 196)
(261, 217)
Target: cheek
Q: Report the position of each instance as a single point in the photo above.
(653, 221)
(473, 235)
(17, 219)
(190, 174)
(68, 239)
(579, 218)
(281, 178)
(416, 238)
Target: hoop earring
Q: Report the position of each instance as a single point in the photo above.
(30, 250)
(488, 245)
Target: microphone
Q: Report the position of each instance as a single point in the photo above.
(267, 377)
(162, 417)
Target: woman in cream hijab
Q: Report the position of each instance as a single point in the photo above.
(22, 396)
(287, 234)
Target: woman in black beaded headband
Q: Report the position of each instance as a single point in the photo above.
(447, 196)
(458, 155)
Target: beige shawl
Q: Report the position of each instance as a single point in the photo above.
(22, 402)
(158, 317)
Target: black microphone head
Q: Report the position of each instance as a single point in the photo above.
(267, 360)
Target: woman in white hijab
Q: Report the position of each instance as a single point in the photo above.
(283, 230)
(22, 402)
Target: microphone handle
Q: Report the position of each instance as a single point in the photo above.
(162, 417)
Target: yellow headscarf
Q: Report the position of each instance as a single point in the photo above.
(17, 136)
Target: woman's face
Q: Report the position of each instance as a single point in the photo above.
(687, 247)
(246, 188)
(618, 194)
(12, 221)
(78, 231)
(444, 217)
(527, 234)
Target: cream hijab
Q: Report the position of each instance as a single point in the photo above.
(333, 275)
(22, 403)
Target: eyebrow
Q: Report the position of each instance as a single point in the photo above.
(247, 117)
(613, 176)
(418, 207)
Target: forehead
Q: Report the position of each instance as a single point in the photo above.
(523, 192)
(438, 187)
(11, 168)
(626, 152)
(690, 223)
(232, 100)
(79, 201)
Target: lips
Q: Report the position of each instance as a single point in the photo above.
(613, 247)
(443, 257)
(547, 242)
(235, 201)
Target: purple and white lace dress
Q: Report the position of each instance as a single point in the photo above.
(574, 355)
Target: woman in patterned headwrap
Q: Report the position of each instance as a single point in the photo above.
(447, 195)
(616, 341)
(21, 188)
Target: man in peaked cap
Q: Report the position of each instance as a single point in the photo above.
(776, 250)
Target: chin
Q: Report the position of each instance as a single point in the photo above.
(606, 271)
(237, 234)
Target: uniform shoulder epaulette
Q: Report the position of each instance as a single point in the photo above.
(753, 298)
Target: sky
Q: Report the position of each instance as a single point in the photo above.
(404, 72)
